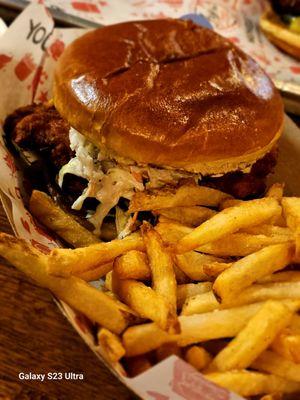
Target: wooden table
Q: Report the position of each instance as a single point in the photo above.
(36, 337)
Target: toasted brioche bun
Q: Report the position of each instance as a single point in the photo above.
(279, 34)
(168, 93)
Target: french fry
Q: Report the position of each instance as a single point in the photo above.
(67, 262)
(184, 196)
(254, 338)
(294, 326)
(132, 265)
(57, 220)
(108, 281)
(230, 220)
(291, 212)
(213, 269)
(230, 203)
(249, 269)
(97, 273)
(250, 383)
(285, 276)
(161, 265)
(198, 357)
(205, 302)
(141, 339)
(276, 191)
(190, 216)
(192, 263)
(287, 345)
(268, 230)
(181, 277)
(273, 363)
(168, 350)
(274, 291)
(96, 305)
(234, 245)
(241, 244)
(110, 345)
(145, 302)
(200, 303)
(191, 289)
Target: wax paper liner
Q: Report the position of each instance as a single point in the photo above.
(28, 52)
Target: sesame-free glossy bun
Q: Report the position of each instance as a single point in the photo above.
(168, 93)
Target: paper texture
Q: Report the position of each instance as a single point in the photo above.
(28, 52)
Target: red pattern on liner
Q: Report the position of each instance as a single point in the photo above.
(191, 385)
(82, 6)
(157, 396)
(25, 67)
(295, 69)
(4, 59)
(25, 224)
(56, 49)
(40, 246)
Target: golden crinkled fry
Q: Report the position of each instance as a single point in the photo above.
(110, 345)
(198, 357)
(96, 305)
(230, 220)
(273, 363)
(190, 216)
(184, 196)
(141, 339)
(57, 220)
(161, 265)
(145, 302)
(254, 338)
(250, 383)
(249, 269)
(67, 262)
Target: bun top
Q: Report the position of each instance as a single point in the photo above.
(169, 93)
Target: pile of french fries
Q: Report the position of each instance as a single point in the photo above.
(215, 282)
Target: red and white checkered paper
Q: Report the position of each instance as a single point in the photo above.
(28, 52)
